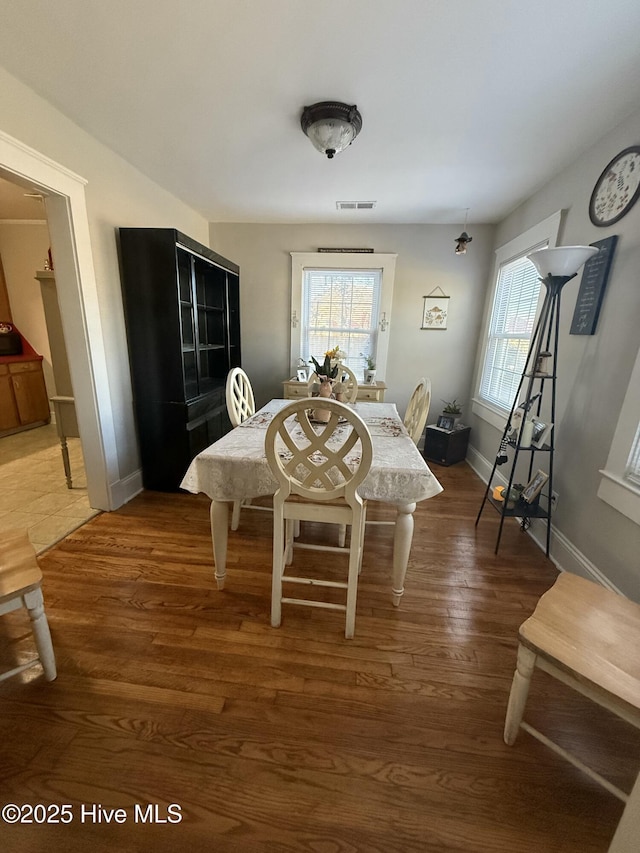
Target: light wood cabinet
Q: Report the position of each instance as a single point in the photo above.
(9, 418)
(373, 393)
(23, 395)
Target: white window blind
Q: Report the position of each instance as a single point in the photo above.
(633, 465)
(510, 330)
(340, 308)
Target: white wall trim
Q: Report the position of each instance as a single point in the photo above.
(489, 413)
(562, 552)
(123, 491)
(615, 488)
(47, 162)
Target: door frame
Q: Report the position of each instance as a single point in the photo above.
(65, 203)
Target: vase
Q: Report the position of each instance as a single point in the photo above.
(369, 377)
(326, 391)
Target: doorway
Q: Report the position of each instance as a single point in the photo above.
(66, 214)
(35, 492)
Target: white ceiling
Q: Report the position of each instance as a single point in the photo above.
(465, 103)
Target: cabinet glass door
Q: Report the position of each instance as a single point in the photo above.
(187, 325)
(210, 305)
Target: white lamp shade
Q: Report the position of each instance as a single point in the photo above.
(331, 134)
(562, 260)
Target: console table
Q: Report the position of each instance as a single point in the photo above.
(374, 393)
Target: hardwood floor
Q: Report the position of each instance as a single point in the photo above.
(295, 739)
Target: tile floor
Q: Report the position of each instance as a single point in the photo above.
(33, 488)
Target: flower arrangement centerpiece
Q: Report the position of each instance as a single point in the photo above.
(327, 373)
(331, 365)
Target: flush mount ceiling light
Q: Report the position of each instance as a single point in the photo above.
(331, 126)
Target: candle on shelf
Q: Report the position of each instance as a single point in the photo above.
(527, 433)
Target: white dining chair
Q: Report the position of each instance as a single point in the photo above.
(317, 481)
(240, 402)
(414, 420)
(20, 586)
(240, 406)
(345, 375)
(348, 378)
(417, 412)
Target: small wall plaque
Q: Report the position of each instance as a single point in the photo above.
(591, 293)
(357, 251)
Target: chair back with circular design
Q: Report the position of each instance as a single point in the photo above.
(240, 402)
(319, 468)
(418, 409)
(311, 461)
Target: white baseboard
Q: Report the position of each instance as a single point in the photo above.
(562, 551)
(124, 490)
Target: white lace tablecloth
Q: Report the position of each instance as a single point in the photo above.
(235, 467)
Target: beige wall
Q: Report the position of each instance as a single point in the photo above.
(116, 195)
(426, 260)
(23, 249)
(593, 371)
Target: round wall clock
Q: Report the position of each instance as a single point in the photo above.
(617, 189)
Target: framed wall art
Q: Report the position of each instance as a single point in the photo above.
(435, 311)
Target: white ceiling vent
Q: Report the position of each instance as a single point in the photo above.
(355, 205)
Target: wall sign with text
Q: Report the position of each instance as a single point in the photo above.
(591, 293)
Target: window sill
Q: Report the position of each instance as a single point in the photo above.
(491, 414)
(620, 494)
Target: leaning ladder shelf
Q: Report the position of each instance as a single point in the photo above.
(535, 384)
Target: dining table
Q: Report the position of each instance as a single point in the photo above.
(235, 468)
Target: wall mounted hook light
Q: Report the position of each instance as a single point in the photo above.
(463, 239)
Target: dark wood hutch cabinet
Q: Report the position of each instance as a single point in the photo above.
(182, 311)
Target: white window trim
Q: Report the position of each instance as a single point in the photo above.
(545, 232)
(614, 488)
(343, 261)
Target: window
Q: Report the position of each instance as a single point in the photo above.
(511, 321)
(340, 308)
(633, 466)
(510, 330)
(341, 299)
(620, 484)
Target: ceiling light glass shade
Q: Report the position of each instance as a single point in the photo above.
(561, 261)
(331, 136)
(331, 126)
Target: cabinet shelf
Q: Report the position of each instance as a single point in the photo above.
(521, 509)
(531, 448)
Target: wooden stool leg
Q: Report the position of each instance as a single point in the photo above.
(519, 692)
(35, 605)
(278, 566)
(64, 447)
